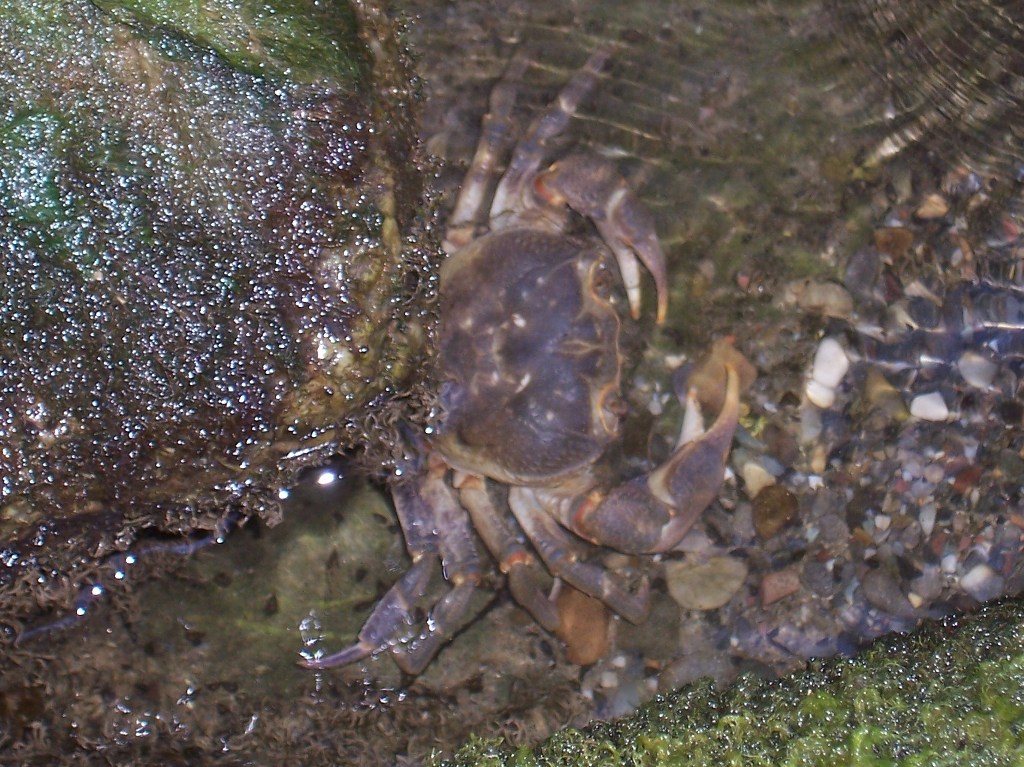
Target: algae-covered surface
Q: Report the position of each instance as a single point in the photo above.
(952, 693)
(216, 264)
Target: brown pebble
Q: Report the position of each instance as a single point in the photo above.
(967, 479)
(779, 585)
(782, 444)
(934, 206)
(583, 626)
(894, 241)
(774, 508)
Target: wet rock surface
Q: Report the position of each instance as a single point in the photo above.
(217, 267)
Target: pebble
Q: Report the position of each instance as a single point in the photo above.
(583, 626)
(884, 397)
(894, 241)
(949, 563)
(755, 478)
(704, 585)
(934, 206)
(977, 370)
(779, 585)
(827, 298)
(883, 591)
(926, 518)
(982, 583)
(929, 407)
(827, 371)
(773, 508)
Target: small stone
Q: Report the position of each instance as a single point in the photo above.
(781, 443)
(755, 478)
(820, 395)
(934, 206)
(583, 626)
(982, 583)
(883, 397)
(929, 584)
(966, 480)
(949, 563)
(977, 370)
(773, 508)
(926, 518)
(929, 407)
(706, 585)
(934, 473)
(883, 591)
(779, 585)
(827, 371)
(830, 363)
(882, 522)
(826, 298)
(894, 241)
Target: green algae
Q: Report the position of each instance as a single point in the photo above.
(305, 39)
(951, 693)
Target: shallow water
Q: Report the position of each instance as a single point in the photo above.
(746, 129)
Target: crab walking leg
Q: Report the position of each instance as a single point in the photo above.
(593, 187)
(529, 152)
(494, 139)
(562, 553)
(526, 580)
(653, 512)
(396, 606)
(460, 561)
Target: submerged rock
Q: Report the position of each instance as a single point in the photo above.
(218, 262)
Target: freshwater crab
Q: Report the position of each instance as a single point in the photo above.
(530, 364)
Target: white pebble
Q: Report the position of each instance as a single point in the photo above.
(820, 395)
(882, 522)
(830, 363)
(982, 582)
(827, 371)
(926, 518)
(949, 563)
(929, 407)
(977, 370)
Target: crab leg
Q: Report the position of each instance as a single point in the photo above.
(494, 137)
(460, 561)
(434, 526)
(395, 607)
(653, 512)
(529, 152)
(562, 555)
(525, 577)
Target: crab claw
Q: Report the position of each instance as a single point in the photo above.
(593, 187)
(653, 512)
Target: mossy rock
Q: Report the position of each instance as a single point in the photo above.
(218, 261)
(951, 693)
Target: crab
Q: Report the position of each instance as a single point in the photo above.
(530, 366)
